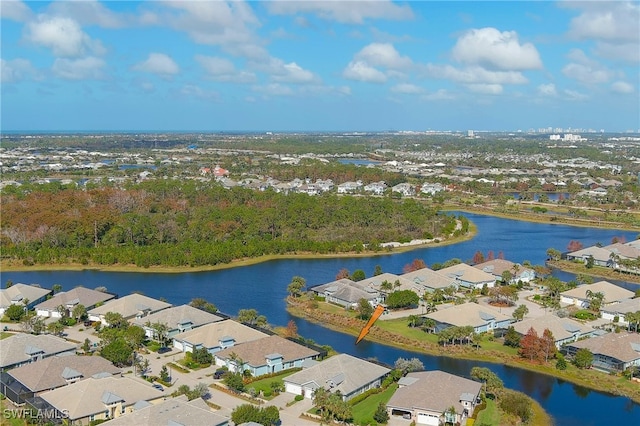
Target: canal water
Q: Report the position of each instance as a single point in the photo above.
(263, 287)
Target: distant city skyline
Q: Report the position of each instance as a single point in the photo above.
(210, 65)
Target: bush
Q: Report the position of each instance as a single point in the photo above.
(298, 398)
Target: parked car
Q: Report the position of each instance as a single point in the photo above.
(219, 373)
(158, 386)
(88, 323)
(164, 350)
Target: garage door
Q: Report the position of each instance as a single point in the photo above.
(428, 419)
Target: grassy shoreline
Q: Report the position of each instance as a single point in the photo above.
(342, 322)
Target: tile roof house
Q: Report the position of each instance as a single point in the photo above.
(97, 398)
(21, 349)
(427, 396)
(264, 356)
(131, 306)
(611, 352)
(347, 293)
(51, 373)
(468, 276)
(429, 279)
(620, 309)
(70, 299)
(497, 267)
(397, 283)
(564, 330)
(173, 412)
(178, 318)
(19, 293)
(481, 318)
(345, 373)
(216, 336)
(601, 256)
(578, 296)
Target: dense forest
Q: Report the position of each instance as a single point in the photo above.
(181, 223)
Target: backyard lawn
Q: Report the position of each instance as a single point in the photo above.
(490, 415)
(364, 410)
(264, 385)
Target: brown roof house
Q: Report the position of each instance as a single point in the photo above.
(17, 294)
(612, 294)
(131, 306)
(481, 318)
(21, 349)
(216, 336)
(70, 299)
(564, 330)
(498, 267)
(53, 372)
(468, 277)
(611, 352)
(345, 373)
(347, 293)
(427, 396)
(178, 320)
(265, 356)
(429, 279)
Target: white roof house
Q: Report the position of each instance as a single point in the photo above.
(612, 293)
(17, 294)
(131, 306)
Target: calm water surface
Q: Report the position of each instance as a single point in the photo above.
(263, 287)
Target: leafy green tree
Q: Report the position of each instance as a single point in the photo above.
(517, 404)
(358, 275)
(8, 284)
(512, 338)
(381, 415)
(402, 299)
(134, 336)
(553, 254)
(520, 312)
(115, 320)
(492, 382)
(160, 332)
(561, 362)
(246, 413)
(364, 309)
(202, 356)
(377, 270)
(583, 358)
(79, 312)
(408, 365)
(86, 346)
(296, 286)
(118, 352)
(57, 288)
(55, 328)
(15, 312)
(164, 374)
(234, 381)
(203, 305)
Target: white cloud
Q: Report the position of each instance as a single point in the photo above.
(474, 75)
(192, 91)
(383, 55)
(485, 89)
(14, 70)
(622, 87)
(63, 36)
(585, 70)
(79, 69)
(88, 12)
(222, 69)
(360, 71)
(629, 52)
(282, 72)
(158, 63)
(347, 12)
(408, 89)
(547, 90)
(274, 89)
(439, 95)
(15, 10)
(573, 95)
(493, 49)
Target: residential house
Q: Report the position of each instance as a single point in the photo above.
(405, 189)
(131, 306)
(324, 185)
(18, 294)
(265, 356)
(178, 319)
(430, 280)
(397, 283)
(347, 374)
(177, 411)
(468, 277)
(22, 348)
(27, 381)
(349, 187)
(578, 296)
(427, 396)
(65, 301)
(431, 188)
(216, 336)
(600, 255)
(497, 267)
(481, 318)
(347, 293)
(619, 310)
(614, 352)
(97, 398)
(564, 330)
(376, 188)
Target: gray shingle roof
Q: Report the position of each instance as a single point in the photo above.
(130, 305)
(177, 315)
(471, 314)
(210, 335)
(612, 292)
(621, 346)
(16, 349)
(255, 352)
(78, 295)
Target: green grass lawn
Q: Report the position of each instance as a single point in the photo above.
(264, 385)
(490, 415)
(4, 335)
(364, 410)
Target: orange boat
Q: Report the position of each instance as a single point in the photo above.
(376, 314)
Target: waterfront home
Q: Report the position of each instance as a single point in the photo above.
(216, 336)
(578, 296)
(497, 267)
(22, 348)
(396, 283)
(481, 318)
(265, 356)
(564, 330)
(131, 306)
(427, 397)
(347, 293)
(64, 302)
(614, 352)
(97, 398)
(24, 295)
(615, 312)
(27, 381)
(468, 277)
(347, 374)
(178, 411)
(600, 255)
(178, 319)
(430, 280)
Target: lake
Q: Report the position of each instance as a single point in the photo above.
(263, 287)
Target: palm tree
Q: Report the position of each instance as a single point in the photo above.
(595, 300)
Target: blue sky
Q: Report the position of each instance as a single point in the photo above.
(319, 65)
